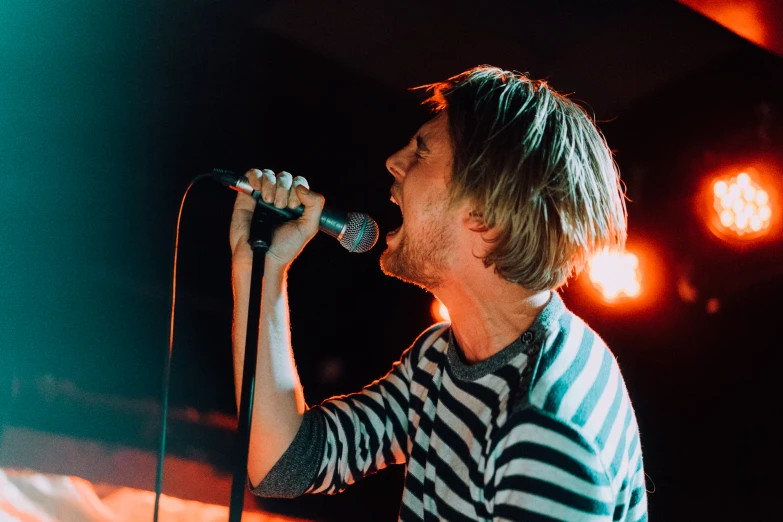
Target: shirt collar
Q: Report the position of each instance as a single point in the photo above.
(527, 342)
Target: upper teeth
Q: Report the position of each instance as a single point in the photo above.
(396, 202)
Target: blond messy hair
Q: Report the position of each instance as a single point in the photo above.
(538, 171)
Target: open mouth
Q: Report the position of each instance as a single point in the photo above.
(396, 230)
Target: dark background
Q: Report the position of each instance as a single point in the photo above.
(109, 109)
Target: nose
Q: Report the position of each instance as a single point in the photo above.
(396, 166)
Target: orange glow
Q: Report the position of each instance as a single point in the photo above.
(756, 20)
(616, 275)
(742, 205)
(744, 18)
(439, 311)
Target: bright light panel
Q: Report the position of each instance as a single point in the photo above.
(742, 205)
(616, 275)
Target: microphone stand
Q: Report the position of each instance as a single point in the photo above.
(261, 229)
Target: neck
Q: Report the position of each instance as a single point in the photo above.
(487, 316)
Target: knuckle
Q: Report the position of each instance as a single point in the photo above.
(268, 179)
(253, 177)
(284, 179)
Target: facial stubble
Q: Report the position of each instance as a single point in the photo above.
(421, 259)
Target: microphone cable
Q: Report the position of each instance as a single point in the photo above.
(361, 233)
(167, 366)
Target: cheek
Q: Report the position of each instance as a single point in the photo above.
(424, 198)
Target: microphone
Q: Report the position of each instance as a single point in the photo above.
(355, 231)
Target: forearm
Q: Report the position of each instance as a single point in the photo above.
(278, 402)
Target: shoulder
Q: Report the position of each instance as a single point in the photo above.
(577, 377)
(578, 384)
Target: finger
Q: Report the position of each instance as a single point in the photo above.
(284, 180)
(254, 178)
(243, 201)
(293, 197)
(268, 185)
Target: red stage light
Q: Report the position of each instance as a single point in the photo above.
(616, 275)
(742, 206)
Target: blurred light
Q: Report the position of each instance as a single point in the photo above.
(688, 292)
(439, 311)
(742, 205)
(616, 274)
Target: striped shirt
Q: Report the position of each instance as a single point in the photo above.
(541, 431)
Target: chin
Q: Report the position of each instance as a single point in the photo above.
(392, 265)
(384, 262)
(389, 263)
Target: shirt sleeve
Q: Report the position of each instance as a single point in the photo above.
(348, 437)
(545, 471)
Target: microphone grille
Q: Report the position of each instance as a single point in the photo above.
(361, 233)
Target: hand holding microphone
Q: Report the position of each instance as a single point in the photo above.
(280, 191)
(291, 199)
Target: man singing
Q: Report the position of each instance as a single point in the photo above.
(516, 410)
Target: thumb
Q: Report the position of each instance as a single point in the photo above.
(309, 198)
(313, 203)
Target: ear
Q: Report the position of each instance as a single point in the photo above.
(474, 221)
(481, 236)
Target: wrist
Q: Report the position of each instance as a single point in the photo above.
(241, 269)
(274, 268)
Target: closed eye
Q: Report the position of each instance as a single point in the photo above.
(421, 145)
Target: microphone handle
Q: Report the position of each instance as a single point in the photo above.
(333, 222)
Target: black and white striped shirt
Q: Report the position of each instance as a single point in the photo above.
(541, 431)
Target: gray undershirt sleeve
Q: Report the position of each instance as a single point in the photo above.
(296, 469)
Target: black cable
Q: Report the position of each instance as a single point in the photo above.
(167, 370)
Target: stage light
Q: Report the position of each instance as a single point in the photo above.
(742, 205)
(616, 275)
(439, 311)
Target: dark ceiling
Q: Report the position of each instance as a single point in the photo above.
(609, 53)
